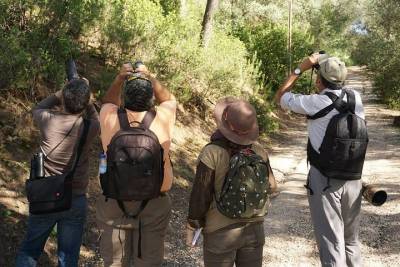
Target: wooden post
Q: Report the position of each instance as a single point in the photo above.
(289, 41)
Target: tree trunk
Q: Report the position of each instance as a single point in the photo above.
(206, 29)
(183, 8)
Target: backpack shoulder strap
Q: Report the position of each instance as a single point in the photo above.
(123, 119)
(81, 143)
(337, 103)
(351, 101)
(148, 118)
(223, 144)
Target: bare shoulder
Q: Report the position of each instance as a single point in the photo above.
(108, 108)
(166, 111)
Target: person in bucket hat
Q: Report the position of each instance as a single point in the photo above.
(236, 120)
(227, 241)
(334, 203)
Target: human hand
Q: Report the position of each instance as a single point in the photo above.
(309, 62)
(125, 71)
(143, 70)
(189, 235)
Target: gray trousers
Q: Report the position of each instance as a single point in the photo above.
(335, 216)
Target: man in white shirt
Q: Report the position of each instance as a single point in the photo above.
(334, 203)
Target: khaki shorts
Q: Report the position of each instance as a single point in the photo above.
(121, 247)
(239, 244)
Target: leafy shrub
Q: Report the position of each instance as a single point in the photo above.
(378, 48)
(37, 37)
(268, 44)
(265, 122)
(131, 26)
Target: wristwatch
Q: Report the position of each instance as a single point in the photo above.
(297, 71)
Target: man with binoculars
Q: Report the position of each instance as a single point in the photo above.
(134, 211)
(334, 185)
(61, 119)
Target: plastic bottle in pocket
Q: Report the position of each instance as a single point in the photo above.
(102, 163)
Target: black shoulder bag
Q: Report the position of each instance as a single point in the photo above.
(54, 193)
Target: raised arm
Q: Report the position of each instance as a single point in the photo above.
(161, 93)
(40, 111)
(291, 80)
(113, 94)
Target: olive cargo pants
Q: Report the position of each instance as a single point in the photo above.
(240, 244)
(137, 246)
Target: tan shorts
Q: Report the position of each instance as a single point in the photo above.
(239, 244)
(120, 247)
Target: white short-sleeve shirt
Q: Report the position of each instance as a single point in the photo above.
(311, 104)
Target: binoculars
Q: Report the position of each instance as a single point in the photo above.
(136, 75)
(373, 194)
(316, 66)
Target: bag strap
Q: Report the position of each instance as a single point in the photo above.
(148, 118)
(225, 145)
(131, 215)
(68, 133)
(123, 119)
(351, 101)
(124, 122)
(337, 103)
(82, 141)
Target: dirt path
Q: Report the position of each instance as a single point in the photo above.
(289, 235)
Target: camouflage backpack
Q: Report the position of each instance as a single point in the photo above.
(244, 193)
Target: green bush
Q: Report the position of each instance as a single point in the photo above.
(383, 66)
(170, 45)
(265, 122)
(268, 44)
(36, 37)
(130, 28)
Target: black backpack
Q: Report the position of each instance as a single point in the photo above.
(135, 166)
(245, 190)
(343, 149)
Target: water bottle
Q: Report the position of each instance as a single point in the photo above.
(103, 163)
(39, 165)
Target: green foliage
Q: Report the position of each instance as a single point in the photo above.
(36, 37)
(268, 44)
(329, 25)
(265, 122)
(247, 55)
(378, 48)
(169, 45)
(169, 6)
(130, 26)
